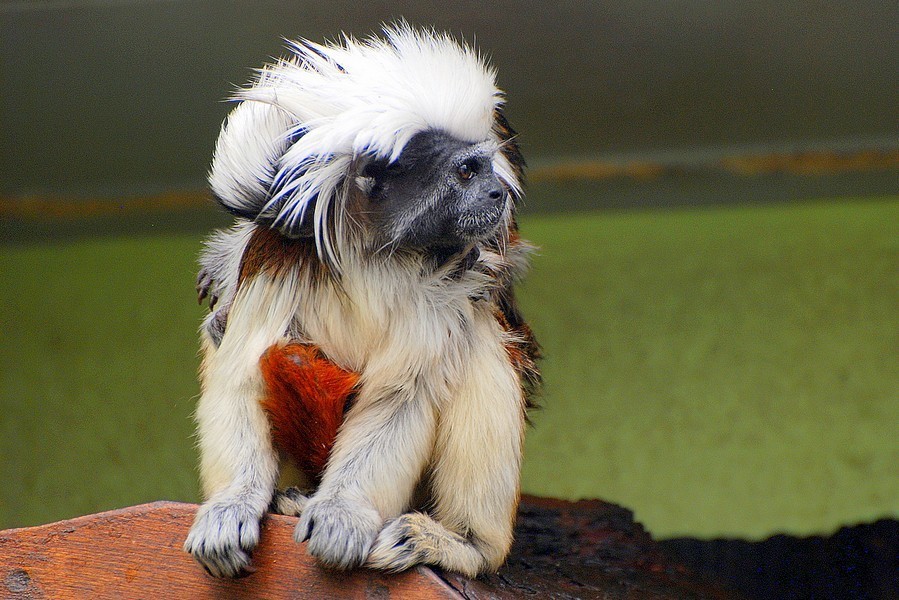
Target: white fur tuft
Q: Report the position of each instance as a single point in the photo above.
(291, 143)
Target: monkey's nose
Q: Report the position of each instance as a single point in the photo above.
(495, 193)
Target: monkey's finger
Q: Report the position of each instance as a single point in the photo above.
(303, 531)
(246, 571)
(248, 536)
(227, 563)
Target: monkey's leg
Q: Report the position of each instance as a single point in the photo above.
(238, 464)
(475, 478)
(378, 458)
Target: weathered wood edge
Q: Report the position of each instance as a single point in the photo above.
(585, 549)
(136, 552)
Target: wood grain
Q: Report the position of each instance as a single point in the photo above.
(587, 549)
(136, 553)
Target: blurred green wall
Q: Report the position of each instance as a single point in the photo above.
(720, 372)
(124, 97)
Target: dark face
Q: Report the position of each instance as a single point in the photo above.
(440, 196)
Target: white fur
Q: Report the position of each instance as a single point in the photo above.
(306, 118)
(238, 465)
(437, 389)
(439, 401)
(253, 139)
(475, 460)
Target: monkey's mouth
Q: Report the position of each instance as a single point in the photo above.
(447, 232)
(478, 223)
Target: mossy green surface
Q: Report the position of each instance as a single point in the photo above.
(721, 372)
(98, 359)
(726, 371)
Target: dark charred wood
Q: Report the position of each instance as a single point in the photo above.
(855, 563)
(587, 549)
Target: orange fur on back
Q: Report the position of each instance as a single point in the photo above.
(305, 398)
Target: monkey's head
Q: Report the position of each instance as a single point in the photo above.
(440, 196)
(384, 145)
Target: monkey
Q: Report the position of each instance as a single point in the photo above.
(363, 324)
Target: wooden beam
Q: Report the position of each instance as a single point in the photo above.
(575, 550)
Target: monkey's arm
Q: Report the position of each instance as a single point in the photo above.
(237, 461)
(475, 472)
(378, 457)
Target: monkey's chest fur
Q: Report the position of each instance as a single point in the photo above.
(305, 399)
(397, 323)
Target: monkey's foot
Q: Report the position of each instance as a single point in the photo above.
(222, 537)
(290, 502)
(340, 531)
(416, 538)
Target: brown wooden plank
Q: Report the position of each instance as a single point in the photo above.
(587, 549)
(136, 553)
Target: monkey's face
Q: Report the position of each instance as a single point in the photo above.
(440, 196)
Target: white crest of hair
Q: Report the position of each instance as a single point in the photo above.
(246, 152)
(373, 95)
(307, 118)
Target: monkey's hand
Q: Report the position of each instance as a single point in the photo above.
(415, 538)
(222, 537)
(205, 283)
(340, 531)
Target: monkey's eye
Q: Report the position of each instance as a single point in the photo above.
(467, 170)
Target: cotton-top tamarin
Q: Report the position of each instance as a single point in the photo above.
(363, 324)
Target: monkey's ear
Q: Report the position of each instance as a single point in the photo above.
(371, 175)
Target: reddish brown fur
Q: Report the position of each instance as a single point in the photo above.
(306, 395)
(521, 348)
(269, 251)
(510, 148)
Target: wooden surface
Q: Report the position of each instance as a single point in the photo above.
(585, 549)
(136, 553)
